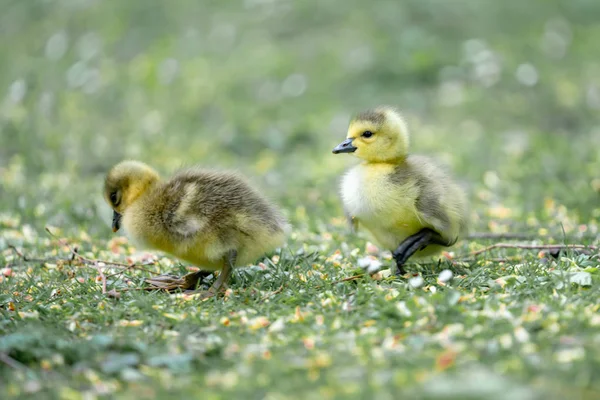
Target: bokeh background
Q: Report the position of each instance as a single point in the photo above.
(506, 93)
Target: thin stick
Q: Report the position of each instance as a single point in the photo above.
(122, 272)
(532, 247)
(28, 259)
(13, 248)
(273, 293)
(102, 277)
(505, 236)
(74, 255)
(91, 261)
(350, 278)
(69, 261)
(496, 260)
(129, 289)
(11, 362)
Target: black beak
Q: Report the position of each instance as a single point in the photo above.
(116, 221)
(345, 147)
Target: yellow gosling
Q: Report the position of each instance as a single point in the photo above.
(409, 204)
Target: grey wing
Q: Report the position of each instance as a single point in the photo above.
(437, 199)
(430, 181)
(430, 208)
(181, 216)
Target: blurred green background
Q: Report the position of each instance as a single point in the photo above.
(507, 93)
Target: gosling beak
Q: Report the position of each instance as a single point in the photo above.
(345, 147)
(116, 224)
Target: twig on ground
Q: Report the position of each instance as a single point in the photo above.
(145, 288)
(29, 259)
(350, 278)
(75, 253)
(123, 268)
(11, 362)
(532, 247)
(505, 236)
(497, 259)
(90, 262)
(102, 277)
(13, 248)
(273, 293)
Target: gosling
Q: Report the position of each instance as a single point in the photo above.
(212, 219)
(409, 204)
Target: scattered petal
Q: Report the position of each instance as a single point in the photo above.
(258, 323)
(370, 248)
(277, 326)
(445, 360)
(446, 275)
(135, 322)
(416, 282)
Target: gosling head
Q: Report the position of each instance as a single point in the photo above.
(379, 135)
(124, 184)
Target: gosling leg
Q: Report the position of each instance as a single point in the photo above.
(173, 282)
(414, 243)
(222, 280)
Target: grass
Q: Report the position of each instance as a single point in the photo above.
(267, 88)
(290, 327)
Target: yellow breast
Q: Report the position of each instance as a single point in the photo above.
(384, 208)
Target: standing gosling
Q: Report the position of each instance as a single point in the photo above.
(406, 202)
(212, 219)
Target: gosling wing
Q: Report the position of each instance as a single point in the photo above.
(180, 215)
(431, 183)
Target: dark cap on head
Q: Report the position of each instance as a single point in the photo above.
(376, 116)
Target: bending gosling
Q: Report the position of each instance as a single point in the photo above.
(212, 219)
(406, 202)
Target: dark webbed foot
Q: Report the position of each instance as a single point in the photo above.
(222, 280)
(414, 243)
(173, 282)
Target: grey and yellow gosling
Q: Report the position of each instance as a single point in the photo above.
(212, 219)
(409, 204)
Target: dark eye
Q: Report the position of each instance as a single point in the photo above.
(113, 198)
(367, 134)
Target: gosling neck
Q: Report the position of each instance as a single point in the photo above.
(390, 161)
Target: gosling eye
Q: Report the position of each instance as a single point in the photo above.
(367, 134)
(114, 199)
